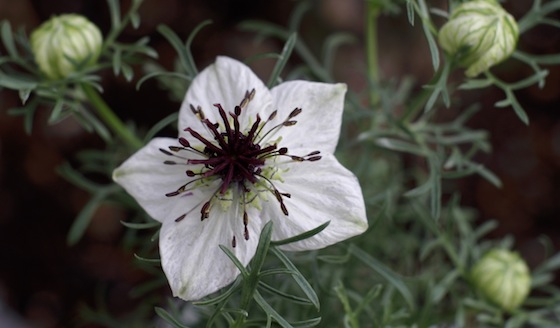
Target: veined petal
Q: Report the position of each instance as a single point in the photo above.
(318, 125)
(191, 258)
(320, 191)
(224, 82)
(146, 178)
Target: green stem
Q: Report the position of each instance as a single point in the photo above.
(372, 13)
(418, 102)
(109, 117)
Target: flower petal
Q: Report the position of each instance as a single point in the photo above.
(224, 82)
(146, 178)
(320, 191)
(194, 264)
(318, 125)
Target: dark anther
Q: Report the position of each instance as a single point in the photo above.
(184, 142)
(205, 211)
(180, 218)
(295, 113)
(233, 242)
(289, 123)
(190, 173)
(165, 152)
(169, 162)
(314, 158)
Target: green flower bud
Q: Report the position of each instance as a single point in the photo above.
(480, 34)
(65, 44)
(503, 278)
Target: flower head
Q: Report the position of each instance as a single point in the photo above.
(245, 155)
(480, 34)
(64, 44)
(503, 278)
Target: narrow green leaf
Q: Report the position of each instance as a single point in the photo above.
(410, 12)
(302, 236)
(270, 310)
(76, 178)
(307, 323)
(235, 261)
(471, 84)
(128, 73)
(262, 248)
(83, 219)
(140, 226)
(135, 20)
(115, 12)
(17, 82)
(8, 39)
(162, 313)
(117, 61)
(392, 277)
(298, 277)
(192, 66)
(222, 297)
(282, 60)
(168, 120)
(398, 145)
(178, 46)
(144, 259)
(289, 297)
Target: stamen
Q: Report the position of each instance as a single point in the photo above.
(180, 217)
(235, 156)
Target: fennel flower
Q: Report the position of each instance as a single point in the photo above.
(480, 34)
(65, 44)
(502, 277)
(245, 155)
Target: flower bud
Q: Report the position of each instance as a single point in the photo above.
(65, 44)
(480, 34)
(503, 278)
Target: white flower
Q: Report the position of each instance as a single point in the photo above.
(245, 156)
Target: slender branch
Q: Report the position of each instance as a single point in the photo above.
(109, 117)
(372, 57)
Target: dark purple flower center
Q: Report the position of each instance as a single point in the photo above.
(233, 156)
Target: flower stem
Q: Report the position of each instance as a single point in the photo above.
(372, 13)
(109, 117)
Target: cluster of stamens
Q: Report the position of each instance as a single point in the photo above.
(235, 157)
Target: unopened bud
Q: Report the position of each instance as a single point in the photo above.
(503, 278)
(65, 44)
(480, 34)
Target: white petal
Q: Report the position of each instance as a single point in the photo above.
(194, 264)
(224, 82)
(320, 191)
(318, 125)
(147, 179)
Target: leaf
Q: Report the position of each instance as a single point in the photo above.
(8, 39)
(17, 82)
(143, 259)
(392, 277)
(282, 60)
(193, 70)
(298, 277)
(162, 313)
(289, 297)
(83, 219)
(270, 311)
(140, 226)
(302, 236)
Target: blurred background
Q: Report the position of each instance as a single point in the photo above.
(44, 282)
